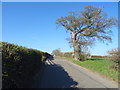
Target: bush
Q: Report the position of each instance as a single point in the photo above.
(19, 64)
(83, 57)
(114, 55)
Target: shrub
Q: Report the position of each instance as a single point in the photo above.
(19, 64)
(83, 57)
(114, 55)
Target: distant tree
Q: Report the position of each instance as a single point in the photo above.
(56, 52)
(87, 26)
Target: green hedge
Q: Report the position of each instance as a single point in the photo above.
(20, 64)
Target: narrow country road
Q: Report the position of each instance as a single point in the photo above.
(60, 73)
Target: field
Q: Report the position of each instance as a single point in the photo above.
(99, 65)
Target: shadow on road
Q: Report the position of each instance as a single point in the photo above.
(54, 76)
(51, 58)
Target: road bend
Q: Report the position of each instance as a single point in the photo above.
(60, 73)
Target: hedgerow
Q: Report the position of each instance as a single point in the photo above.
(20, 64)
(114, 56)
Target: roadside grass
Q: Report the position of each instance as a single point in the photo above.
(100, 65)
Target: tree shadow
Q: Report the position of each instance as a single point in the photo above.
(51, 58)
(54, 76)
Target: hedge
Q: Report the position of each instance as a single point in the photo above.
(68, 54)
(20, 64)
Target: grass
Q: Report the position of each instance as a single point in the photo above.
(100, 65)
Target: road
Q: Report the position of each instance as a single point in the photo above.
(60, 73)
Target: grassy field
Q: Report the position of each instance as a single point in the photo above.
(100, 65)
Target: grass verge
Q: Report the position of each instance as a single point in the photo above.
(100, 65)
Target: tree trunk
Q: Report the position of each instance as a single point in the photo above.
(76, 52)
(76, 47)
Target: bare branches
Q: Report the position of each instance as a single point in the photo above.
(90, 23)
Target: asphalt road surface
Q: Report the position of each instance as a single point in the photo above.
(60, 73)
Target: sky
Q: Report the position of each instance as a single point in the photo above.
(59, 0)
(32, 24)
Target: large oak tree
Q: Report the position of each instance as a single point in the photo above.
(92, 23)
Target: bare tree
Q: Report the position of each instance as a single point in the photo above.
(92, 23)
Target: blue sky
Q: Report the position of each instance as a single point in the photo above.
(60, 1)
(32, 24)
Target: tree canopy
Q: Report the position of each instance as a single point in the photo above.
(92, 22)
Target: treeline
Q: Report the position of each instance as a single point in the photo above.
(96, 56)
(83, 55)
(20, 64)
(71, 54)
